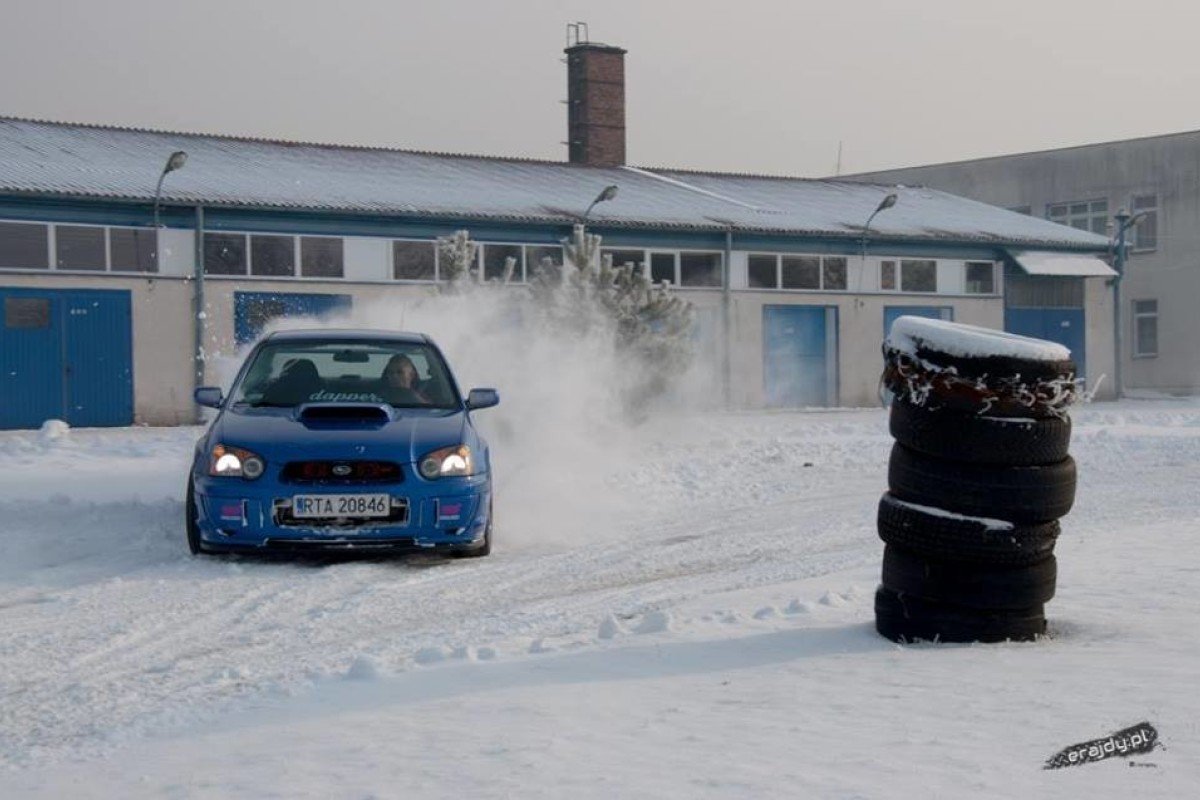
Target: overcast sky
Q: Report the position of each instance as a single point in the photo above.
(742, 85)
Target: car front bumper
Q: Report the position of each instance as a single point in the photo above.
(439, 516)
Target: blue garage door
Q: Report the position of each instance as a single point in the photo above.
(890, 313)
(799, 354)
(1062, 325)
(253, 310)
(65, 354)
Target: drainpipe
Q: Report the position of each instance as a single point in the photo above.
(198, 317)
(726, 312)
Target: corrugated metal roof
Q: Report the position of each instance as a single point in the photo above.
(50, 158)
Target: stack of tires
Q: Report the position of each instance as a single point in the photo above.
(978, 479)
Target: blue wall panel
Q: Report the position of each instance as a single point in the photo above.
(65, 354)
(253, 310)
(795, 356)
(1062, 325)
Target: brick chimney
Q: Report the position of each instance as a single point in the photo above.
(596, 104)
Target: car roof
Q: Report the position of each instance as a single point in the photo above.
(346, 335)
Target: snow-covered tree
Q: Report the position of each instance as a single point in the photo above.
(457, 256)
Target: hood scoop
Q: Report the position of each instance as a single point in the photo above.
(371, 415)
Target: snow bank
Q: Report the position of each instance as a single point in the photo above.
(910, 334)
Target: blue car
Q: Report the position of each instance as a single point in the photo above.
(342, 440)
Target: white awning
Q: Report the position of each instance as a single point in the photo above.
(1076, 265)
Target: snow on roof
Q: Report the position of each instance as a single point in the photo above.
(62, 159)
(1064, 264)
(909, 334)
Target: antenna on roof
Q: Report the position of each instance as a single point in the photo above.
(838, 169)
(580, 31)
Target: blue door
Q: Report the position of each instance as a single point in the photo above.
(797, 355)
(65, 354)
(890, 313)
(253, 310)
(1062, 325)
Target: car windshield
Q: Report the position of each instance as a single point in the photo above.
(405, 375)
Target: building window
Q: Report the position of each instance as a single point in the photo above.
(1086, 215)
(700, 269)
(918, 275)
(548, 259)
(1145, 233)
(273, 256)
(981, 277)
(662, 267)
(1145, 328)
(763, 271)
(801, 272)
(80, 247)
(833, 273)
(133, 249)
(414, 261)
(321, 257)
(622, 257)
(495, 259)
(24, 246)
(224, 254)
(887, 276)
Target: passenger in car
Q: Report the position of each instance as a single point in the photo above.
(401, 382)
(297, 381)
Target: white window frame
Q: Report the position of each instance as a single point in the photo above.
(1137, 316)
(418, 281)
(995, 280)
(52, 248)
(779, 287)
(1069, 217)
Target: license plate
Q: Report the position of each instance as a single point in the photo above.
(332, 506)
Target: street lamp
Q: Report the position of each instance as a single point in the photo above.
(607, 193)
(884, 205)
(1125, 221)
(176, 161)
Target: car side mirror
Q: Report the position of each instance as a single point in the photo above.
(208, 396)
(482, 398)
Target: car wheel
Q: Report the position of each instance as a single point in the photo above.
(195, 543)
(978, 439)
(1017, 494)
(904, 618)
(938, 536)
(970, 586)
(486, 548)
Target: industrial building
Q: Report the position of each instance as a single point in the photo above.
(1152, 186)
(114, 305)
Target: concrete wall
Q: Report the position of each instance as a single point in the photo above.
(1168, 166)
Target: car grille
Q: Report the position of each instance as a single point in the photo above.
(282, 517)
(341, 473)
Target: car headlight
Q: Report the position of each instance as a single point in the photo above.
(448, 462)
(235, 462)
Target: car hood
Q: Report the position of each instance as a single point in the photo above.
(405, 435)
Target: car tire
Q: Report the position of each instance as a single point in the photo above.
(970, 586)
(1016, 494)
(486, 548)
(977, 439)
(904, 618)
(967, 540)
(993, 367)
(192, 522)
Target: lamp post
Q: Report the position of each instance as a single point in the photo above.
(884, 205)
(1125, 221)
(176, 161)
(607, 193)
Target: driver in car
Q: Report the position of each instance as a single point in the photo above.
(401, 382)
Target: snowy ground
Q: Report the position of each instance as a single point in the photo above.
(699, 627)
